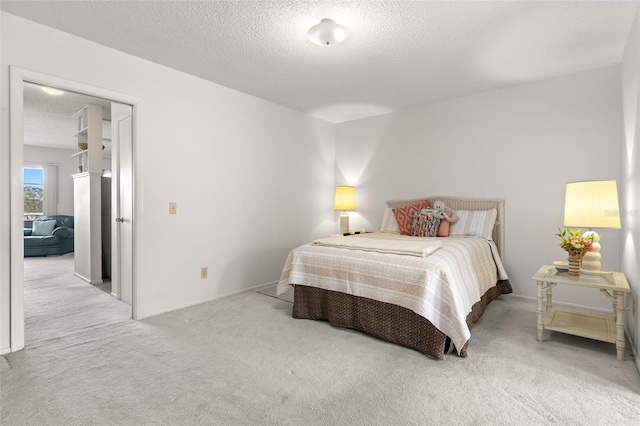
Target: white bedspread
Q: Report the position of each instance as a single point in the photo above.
(441, 287)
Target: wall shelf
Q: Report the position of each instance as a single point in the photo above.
(82, 131)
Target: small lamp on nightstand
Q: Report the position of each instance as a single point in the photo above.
(592, 204)
(345, 201)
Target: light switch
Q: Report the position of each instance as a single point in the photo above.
(173, 208)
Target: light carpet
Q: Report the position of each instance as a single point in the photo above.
(57, 303)
(244, 360)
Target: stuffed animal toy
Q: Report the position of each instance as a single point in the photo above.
(440, 211)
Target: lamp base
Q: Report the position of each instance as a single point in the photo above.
(344, 223)
(591, 261)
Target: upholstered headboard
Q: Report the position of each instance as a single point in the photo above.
(467, 204)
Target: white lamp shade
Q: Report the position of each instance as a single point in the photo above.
(345, 198)
(327, 33)
(592, 204)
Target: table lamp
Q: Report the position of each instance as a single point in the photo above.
(592, 204)
(345, 201)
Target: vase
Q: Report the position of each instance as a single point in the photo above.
(575, 264)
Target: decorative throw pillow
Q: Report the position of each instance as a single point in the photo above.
(389, 223)
(42, 228)
(404, 215)
(424, 225)
(444, 228)
(478, 223)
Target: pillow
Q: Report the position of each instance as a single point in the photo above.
(478, 223)
(444, 228)
(404, 215)
(424, 225)
(389, 223)
(42, 228)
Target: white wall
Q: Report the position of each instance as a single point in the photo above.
(521, 144)
(630, 178)
(252, 179)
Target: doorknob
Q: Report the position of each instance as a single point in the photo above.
(120, 219)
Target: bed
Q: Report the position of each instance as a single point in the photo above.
(422, 293)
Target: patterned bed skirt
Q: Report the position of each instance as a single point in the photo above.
(389, 322)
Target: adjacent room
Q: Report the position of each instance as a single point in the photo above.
(55, 156)
(320, 212)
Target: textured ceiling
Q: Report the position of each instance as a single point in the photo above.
(48, 119)
(399, 54)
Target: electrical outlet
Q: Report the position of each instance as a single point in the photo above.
(203, 272)
(173, 208)
(633, 307)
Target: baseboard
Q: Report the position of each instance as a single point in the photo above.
(632, 346)
(261, 286)
(200, 302)
(87, 280)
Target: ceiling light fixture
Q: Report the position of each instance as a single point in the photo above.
(51, 91)
(327, 33)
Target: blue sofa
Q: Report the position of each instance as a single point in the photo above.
(60, 241)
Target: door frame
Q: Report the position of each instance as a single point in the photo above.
(18, 76)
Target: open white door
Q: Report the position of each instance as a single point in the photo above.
(122, 203)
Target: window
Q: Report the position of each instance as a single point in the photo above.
(33, 193)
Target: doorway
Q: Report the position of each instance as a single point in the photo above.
(18, 78)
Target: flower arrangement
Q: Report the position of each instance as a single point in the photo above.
(574, 242)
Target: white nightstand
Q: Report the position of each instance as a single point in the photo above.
(605, 328)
